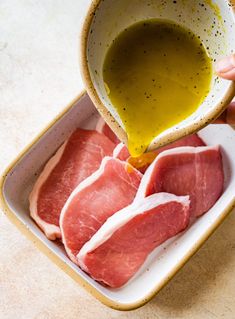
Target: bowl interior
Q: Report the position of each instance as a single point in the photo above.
(213, 22)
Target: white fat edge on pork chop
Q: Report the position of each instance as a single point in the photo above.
(52, 231)
(85, 183)
(173, 151)
(118, 149)
(121, 152)
(123, 216)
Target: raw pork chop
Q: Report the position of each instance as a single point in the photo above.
(119, 248)
(102, 127)
(108, 190)
(121, 152)
(77, 158)
(194, 171)
(143, 161)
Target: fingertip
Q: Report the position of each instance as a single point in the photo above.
(225, 67)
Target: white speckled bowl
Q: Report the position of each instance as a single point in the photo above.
(164, 262)
(213, 21)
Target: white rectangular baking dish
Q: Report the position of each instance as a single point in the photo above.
(164, 262)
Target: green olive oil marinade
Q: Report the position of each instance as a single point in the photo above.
(157, 74)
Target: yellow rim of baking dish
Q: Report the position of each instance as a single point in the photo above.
(67, 269)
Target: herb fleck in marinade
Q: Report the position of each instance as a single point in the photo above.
(156, 74)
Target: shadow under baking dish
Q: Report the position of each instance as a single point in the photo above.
(165, 261)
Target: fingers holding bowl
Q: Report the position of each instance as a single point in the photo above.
(228, 116)
(225, 68)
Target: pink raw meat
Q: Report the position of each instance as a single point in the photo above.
(121, 152)
(76, 159)
(119, 248)
(189, 140)
(108, 190)
(143, 161)
(194, 171)
(102, 127)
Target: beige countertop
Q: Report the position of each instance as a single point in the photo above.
(39, 75)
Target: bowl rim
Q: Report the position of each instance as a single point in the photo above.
(63, 265)
(170, 137)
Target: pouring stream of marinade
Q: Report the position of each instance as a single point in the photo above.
(156, 74)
